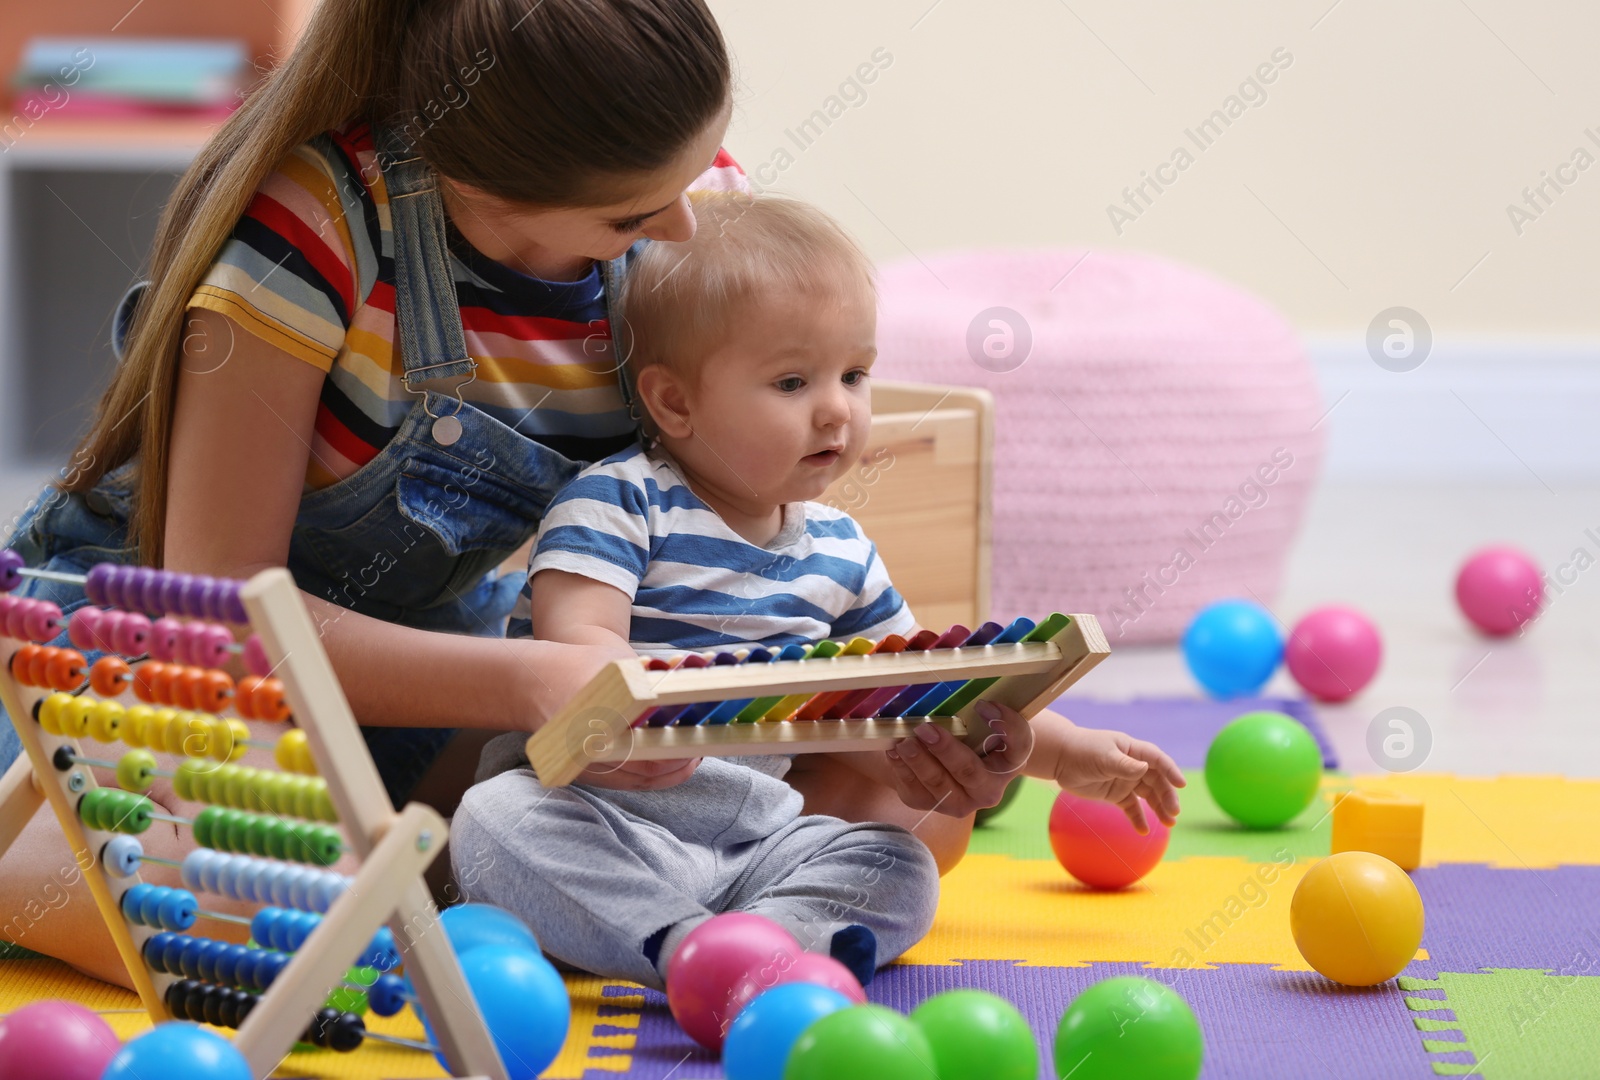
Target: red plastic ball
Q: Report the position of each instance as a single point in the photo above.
(715, 967)
(1333, 652)
(59, 1039)
(1097, 844)
(1499, 590)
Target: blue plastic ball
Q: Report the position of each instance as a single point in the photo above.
(178, 1051)
(523, 1003)
(470, 925)
(1232, 647)
(759, 1040)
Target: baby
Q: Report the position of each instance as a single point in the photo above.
(752, 347)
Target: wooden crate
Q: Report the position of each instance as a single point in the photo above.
(922, 492)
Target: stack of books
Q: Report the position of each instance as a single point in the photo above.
(131, 77)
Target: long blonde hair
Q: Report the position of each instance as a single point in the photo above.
(588, 93)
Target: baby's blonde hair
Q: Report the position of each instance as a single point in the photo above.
(679, 297)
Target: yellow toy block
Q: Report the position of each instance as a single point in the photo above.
(1382, 823)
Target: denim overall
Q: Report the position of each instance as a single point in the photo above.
(415, 536)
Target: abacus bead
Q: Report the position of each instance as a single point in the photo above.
(242, 692)
(154, 951)
(215, 646)
(116, 577)
(238, 830)
(297, 795)
(183, 781)
(300, 889)
(263, 926)
(228, 883)
(16, 618)
(381, 953)
(205, 597)
(269, 967)
(22, 662)
(136, 770)
(50, 710)
(240, 733)
(133, 902)
(191, 737)
(110, 675)
(184, 686)
(132, 635)
(136, 585)
(94, 585)
(11, 564)
(81, 628)
(164, 639)
(172, 951)
(136, 725)
(143, 687)
(268, 702)
(211, 1006)
(75, 717)
(233, 609)
(387, 996)
(121, 856)
(222, 964)
(255, 657)
(136, 817)
(210, 951)
(194, 596)
(39, 667)
(172, 586)
(192, 872)
(224, 785)
(161, 682)
(187, 636)
(106, 723)
(42, 620)
(156, 729)
(178, 909)
(291, 744)
(106, 629)
(214, 692)
(67, 669)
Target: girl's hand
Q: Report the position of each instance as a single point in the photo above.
(936, 771)
(1120, 769)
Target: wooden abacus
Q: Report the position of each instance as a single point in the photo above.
(826, 697)
(275, 996)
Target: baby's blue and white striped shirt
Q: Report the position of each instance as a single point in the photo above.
(631, 522)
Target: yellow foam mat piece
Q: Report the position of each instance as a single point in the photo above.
(1507, 822)
(1191, 913)
(23, 982)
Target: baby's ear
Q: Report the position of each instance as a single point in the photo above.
(665, 401)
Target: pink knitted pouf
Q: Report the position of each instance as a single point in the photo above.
(1155, 429)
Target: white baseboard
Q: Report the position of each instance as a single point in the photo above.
(1496, 412)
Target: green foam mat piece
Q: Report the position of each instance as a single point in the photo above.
(1517, 1022)
(1022, 829)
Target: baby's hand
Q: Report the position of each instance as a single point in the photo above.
(1120, 769)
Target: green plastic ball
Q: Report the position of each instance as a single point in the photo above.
(989, 813)
(977, 1036)
(863, 1042)
(1263, 768)
(1128, 1026)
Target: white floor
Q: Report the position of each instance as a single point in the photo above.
(1523, 705)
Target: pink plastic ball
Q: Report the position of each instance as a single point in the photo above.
(709, 977)
(1097, 844)
(1333, 652)
(1499, 589)
(59, 1039)
(810, 967)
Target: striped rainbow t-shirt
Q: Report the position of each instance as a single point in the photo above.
(305, 270)
(630, 521)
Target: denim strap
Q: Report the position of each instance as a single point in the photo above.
(427, 313)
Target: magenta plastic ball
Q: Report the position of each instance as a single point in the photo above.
(59, 1039)
(714, 971)
(1499, 589)
(1096, 843)
(822, 970)
(1333, 652)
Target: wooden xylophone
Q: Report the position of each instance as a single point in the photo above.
(817, 698)
(266, 837)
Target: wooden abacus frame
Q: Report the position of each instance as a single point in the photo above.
(598, 725)
(394, 849)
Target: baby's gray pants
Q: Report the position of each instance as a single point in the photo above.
(595, 872)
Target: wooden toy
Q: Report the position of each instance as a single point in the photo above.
(823, 698)
(1382, 823)
(266, 837)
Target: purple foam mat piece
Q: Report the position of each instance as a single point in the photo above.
(1477, 917)
(1257, 1022)
(1184, 727)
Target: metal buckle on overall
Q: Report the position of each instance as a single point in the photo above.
(446, 429)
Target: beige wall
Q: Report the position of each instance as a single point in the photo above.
(1376, 173)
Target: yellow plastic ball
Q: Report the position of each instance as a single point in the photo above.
(1356, 918)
